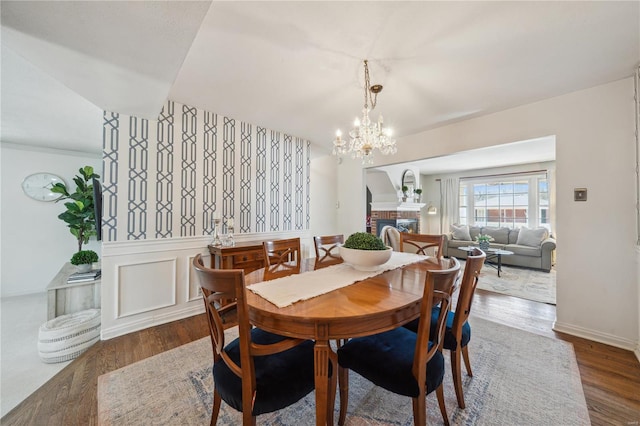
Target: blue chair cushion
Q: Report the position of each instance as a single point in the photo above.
(449, 338)
(386, 359)
(281, 379)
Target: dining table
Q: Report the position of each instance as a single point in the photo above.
(378, 303)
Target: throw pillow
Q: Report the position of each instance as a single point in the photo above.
(474, 231)
(500, 235)
(460, 232)
(532, 237)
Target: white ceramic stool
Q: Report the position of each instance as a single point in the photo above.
(67, 336)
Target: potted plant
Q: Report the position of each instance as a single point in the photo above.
(483, 241)
(405, 190)
(79, 214)
(418, 193)
(364, 251)
(84, 259)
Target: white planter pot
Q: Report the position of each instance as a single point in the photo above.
(85, 267)
(365, 260)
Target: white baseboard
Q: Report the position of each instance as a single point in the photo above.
(637, 352)
(596, 336)
(156, 319)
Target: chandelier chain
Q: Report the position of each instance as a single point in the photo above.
(367, 88)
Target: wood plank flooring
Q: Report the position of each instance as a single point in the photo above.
(610, 376)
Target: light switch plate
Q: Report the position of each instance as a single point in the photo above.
(580, 194)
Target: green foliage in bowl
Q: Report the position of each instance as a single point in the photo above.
(84, 256)
(364, 241)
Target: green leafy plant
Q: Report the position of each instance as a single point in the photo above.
(79, 216)
(484, 238)
(418, 191)
(84, 256)
(364, 241)
(405, 188)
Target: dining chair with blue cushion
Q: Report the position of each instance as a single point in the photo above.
(400, 360)
(458, 331)
(259, 372)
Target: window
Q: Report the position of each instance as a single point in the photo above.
(510, 201)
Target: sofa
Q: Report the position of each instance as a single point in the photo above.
(532, 248)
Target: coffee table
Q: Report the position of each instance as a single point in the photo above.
(492, 254)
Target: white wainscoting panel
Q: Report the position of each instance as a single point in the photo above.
(193, 290)
(146, 286)
(151, 282)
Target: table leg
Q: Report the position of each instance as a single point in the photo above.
(323, 355)
(499, 263)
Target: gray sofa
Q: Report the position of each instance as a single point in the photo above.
(532, 251)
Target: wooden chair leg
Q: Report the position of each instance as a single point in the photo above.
(457, 376)
(420, 410)
(248, 419)
(343, 379)
(215, 409)
(443, 408)
(467, 363)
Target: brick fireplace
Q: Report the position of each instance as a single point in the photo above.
(405, 221)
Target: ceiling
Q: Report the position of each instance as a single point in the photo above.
(297, 66)
(538, 150)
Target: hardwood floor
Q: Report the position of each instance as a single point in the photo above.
(610, 376)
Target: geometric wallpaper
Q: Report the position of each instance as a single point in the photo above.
(170, 177)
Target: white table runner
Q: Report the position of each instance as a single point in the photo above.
(288, 290)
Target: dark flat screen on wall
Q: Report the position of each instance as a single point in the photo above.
(97, 207)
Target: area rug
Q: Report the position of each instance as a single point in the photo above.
(525, 283)
(519, 378)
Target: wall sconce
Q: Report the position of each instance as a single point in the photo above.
(432, 210)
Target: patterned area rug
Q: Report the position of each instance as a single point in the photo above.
(519, 378)
(525, 283)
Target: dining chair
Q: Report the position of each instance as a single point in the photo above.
(420, 243)
(391, 237)
(400, 360)
(458, 331)
(259, 372)
(227, 307)
(282, 258)
(327, 250)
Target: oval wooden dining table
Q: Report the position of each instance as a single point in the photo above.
(370, 306)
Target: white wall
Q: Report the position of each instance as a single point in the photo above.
(35, 243)
(324, 196)
(352, 197)
(597, 275)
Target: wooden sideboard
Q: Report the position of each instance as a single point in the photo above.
(67, 298)
(247, 255)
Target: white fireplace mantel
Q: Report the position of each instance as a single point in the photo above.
(398, 206)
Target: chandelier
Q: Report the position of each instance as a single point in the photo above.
(366, 136)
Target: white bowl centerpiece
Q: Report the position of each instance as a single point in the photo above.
(364, 251)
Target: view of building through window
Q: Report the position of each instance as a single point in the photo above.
(509, 201)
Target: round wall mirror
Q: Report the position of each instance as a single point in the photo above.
(409, 180)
